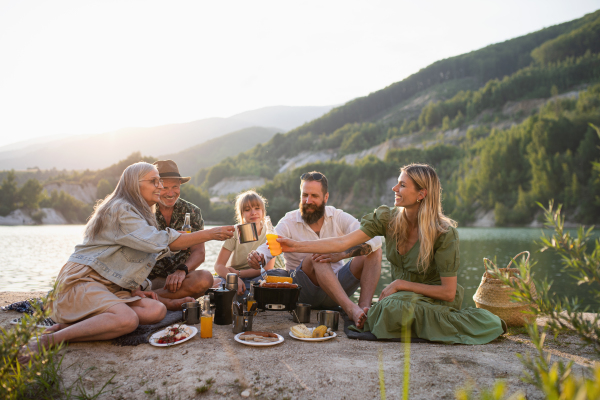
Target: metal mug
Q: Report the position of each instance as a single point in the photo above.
(329, 318)
(247, 232)
(231, 282)
(302, 313)
(191, 312)
(242, 323)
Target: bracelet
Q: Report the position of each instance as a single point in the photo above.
(182, 267)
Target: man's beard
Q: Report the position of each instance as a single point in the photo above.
(314, 215)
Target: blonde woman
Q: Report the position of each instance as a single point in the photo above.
(102, 287)
(249, 207)
(422, 248)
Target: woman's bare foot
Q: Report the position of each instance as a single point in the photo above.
(175, 304)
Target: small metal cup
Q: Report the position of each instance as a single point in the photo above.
(231, 282)
(247, 232)
(191, 312)
(329, 318)
(302, 313)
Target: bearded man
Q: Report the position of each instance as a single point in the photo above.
(327, 282)
(178, 276)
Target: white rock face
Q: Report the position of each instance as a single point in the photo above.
(20, 217)
(484, 219)
(307, 157)
(381, 149)
(85, 193)
(53, 217)
(235, 185)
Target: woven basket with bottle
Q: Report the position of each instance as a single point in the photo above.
(493, 295)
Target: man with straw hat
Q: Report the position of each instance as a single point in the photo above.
(177, 276)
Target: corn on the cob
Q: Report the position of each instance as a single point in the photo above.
(277, 279)
(319, 331)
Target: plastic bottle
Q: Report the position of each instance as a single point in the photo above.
(274, 246)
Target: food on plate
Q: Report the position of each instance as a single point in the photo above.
(319, 331)
(279, 279)
(175, 333)
(263, 334)
(301, 331)
(261, 337)
(278, 285)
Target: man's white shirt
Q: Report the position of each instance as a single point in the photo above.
(336, 223)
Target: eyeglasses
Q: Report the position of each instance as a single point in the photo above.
(313, 176)
(156, 182)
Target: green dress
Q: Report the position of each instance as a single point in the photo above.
(434, 320)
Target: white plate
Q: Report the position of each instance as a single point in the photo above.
(154, 338)
(316, 339)
(247, 343)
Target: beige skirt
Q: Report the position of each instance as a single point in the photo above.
(83, 293)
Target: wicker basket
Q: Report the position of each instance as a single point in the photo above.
(493, 295)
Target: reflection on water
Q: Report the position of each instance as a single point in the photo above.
(32, 256)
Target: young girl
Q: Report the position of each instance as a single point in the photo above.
(249, 207)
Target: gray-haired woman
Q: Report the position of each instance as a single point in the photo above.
(101, 293)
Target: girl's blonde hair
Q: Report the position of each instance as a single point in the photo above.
(127, 191)
(432, 221)
(248, 198)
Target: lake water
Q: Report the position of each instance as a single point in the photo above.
(31, 257)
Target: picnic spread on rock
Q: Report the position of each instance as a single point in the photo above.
(316, 258)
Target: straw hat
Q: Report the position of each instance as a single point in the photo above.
(167, 169)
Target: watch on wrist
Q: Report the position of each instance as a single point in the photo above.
(182, 267)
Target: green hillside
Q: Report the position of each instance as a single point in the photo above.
(211, 152)
(467, 94)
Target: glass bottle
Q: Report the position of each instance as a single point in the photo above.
(206, 319)
(250, 299)
(274, 246)
(187, 228)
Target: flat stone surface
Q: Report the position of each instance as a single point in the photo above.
(335, 369)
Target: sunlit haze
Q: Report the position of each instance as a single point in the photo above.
(95, 66)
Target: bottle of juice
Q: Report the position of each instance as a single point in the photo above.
(187, 228)
(250, 299)
(206, 319)
(274, 246)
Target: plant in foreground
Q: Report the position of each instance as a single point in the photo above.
(38, 379)
(556, 379)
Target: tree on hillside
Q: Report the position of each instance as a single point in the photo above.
(103, 189)
(8, 194)
(30, 194)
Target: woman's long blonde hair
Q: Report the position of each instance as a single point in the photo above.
(432, 221)
(248, 198)
(127, 191)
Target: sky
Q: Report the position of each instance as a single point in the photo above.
(81, 67)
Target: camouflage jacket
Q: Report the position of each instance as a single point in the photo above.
(167, 265)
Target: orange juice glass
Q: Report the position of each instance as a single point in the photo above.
(274, 246)
(206, 326)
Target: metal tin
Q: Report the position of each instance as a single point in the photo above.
(191, 312)
(247, 232)
(231, 282)
(329, 318)
(302, 313)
